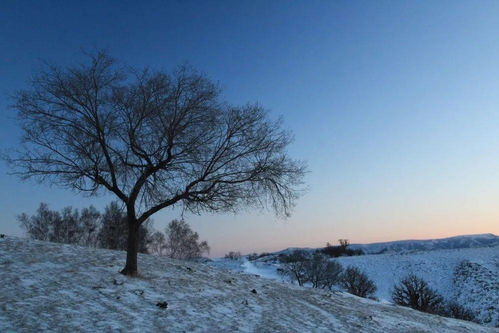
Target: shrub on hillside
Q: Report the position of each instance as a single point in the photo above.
(295, 271)
(252, 256)
(414, 292)
(319, 271)
(233, 255)
(455, 310)
(295, 256)
(340, 250)
(264, 254)
(356, 282)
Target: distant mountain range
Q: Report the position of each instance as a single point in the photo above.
(457, 242)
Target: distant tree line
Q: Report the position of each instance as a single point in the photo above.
(340, 250)
(233, 255)
(89, 227)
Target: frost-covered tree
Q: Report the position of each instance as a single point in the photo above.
(153, 139)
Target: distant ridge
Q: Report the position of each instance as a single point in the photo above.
(454, 242)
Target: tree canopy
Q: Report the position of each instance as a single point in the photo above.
(153, 138)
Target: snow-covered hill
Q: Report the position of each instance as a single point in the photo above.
(63, 288)
(441, 269)
(468, 276)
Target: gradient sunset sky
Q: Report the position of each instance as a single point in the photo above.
(394, 105)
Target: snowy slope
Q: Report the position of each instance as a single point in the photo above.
(63, 288)
(468, 276)
(438, 268)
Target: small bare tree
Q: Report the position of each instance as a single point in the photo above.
(357, 283)
(233, 255)
(157, 243)
(181, 242)
(154, 140)
(321, 272)
(414, 292)
(295, 271)
(318, 270)
(344, 243)
(40, 226)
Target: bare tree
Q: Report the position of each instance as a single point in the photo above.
(183, 243)
(40, 225)
(157, 243)
(317, 270)
(154, 140)
(90, 225)
(321, 272)
(295, 271)
(233, 255)
(344, 243)
(414, 292)
(357, 283)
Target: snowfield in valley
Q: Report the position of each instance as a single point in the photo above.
(468, 276)
(65, 288)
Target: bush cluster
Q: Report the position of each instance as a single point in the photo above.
(233, 255)
(340, 250)
(357, 283)
(319, 271)
(414, 292)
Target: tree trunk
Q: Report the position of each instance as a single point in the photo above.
(132, 247)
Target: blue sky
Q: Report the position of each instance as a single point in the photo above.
(394, 104)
